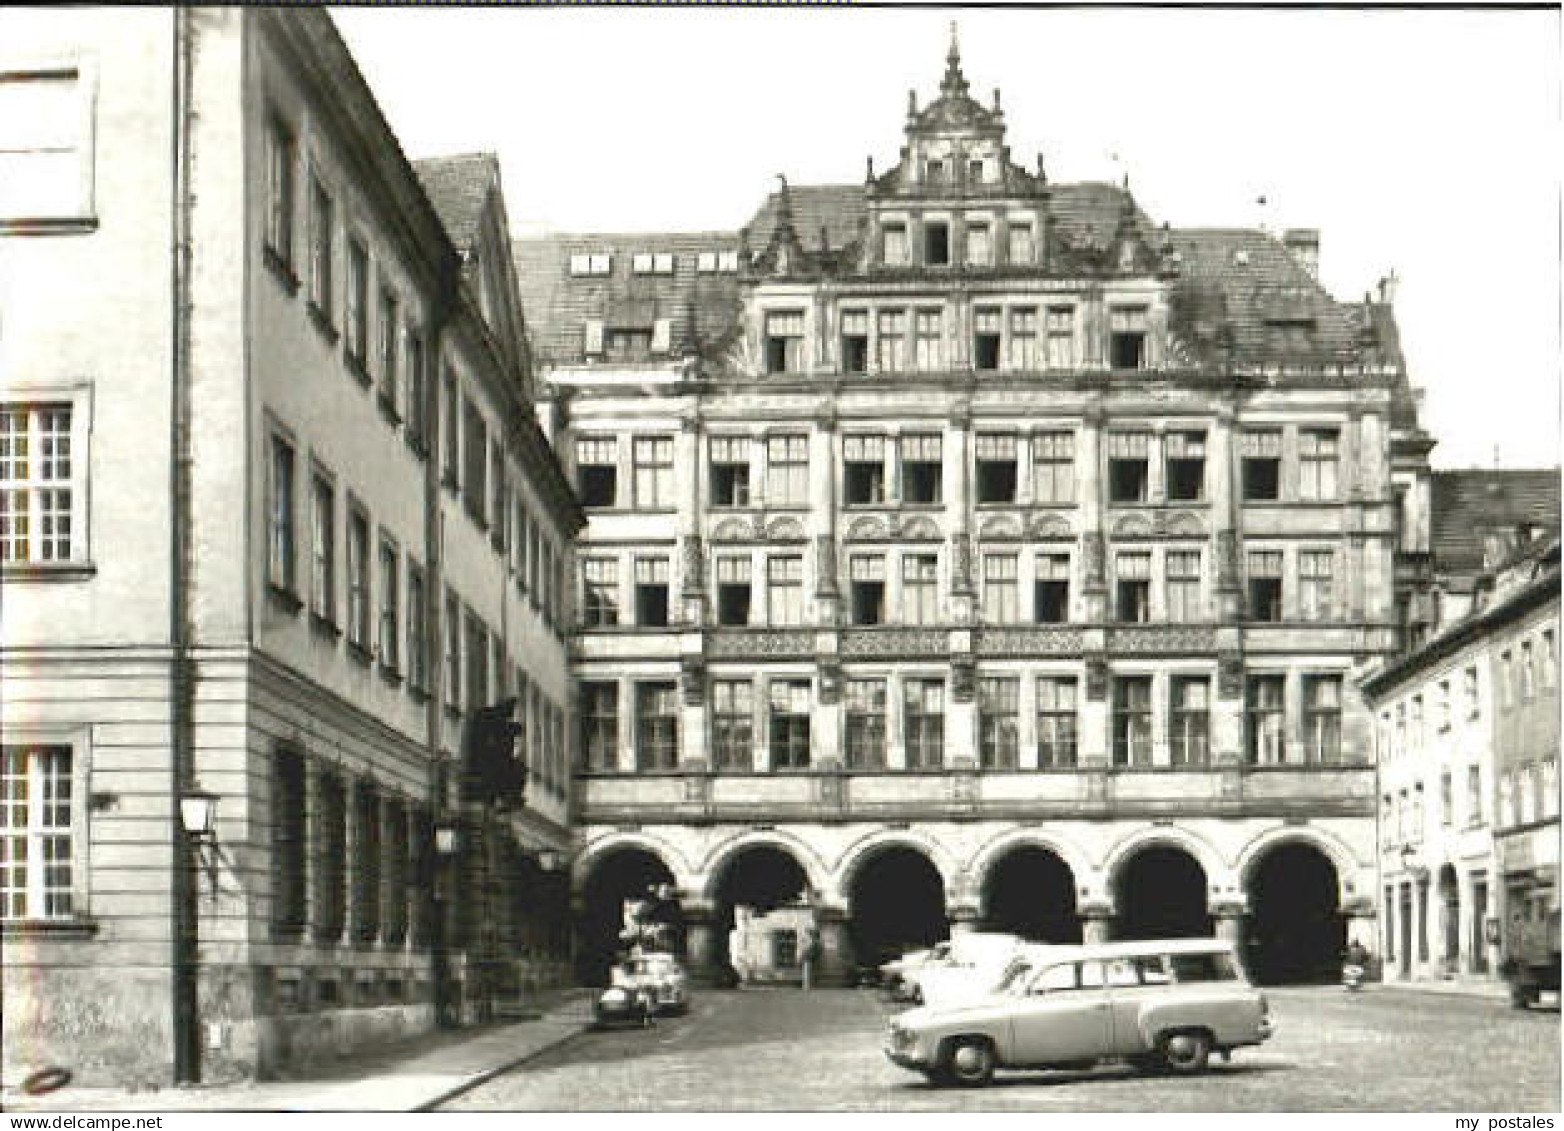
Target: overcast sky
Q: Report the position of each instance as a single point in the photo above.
(1424, 142)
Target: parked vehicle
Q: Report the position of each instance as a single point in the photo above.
(1531, 950)
(642, 986)
(1164, 1004)
(893, 973)
(622, 1005)
(973, 957)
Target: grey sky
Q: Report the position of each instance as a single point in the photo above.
(1424, 142)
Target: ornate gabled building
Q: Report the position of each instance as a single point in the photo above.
(966, 549)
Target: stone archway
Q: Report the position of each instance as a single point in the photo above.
(896, 903)
(1159, 893)
(762, 890)
(617, 875)
(1030, 891)
(1296, 930)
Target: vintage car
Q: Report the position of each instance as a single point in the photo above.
(1166, 1004)
(976, 958)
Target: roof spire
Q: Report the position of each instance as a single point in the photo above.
(955, 83)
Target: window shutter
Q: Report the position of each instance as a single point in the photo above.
(662, 335)
(594, 337)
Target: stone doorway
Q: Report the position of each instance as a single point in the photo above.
(1160, 893)
(1296, 929)
(1030, 891)
(897, 904)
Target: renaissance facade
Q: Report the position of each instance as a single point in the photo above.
(969, 550)
(276, 520)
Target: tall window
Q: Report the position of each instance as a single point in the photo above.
(863, 469)
(1316, 575)
(1056, 721)
(600, 725)
(453, 652)
(892, 356)
(1132, 587)
(1260, 464)
(1469, 692)
(44, 144)
(980, 245)
(390, 606)
(924, 723)
(789, 724)
(1061, 337)
(451, 416)
(1053, 467)
(358, 578)
(653, 466)
(289, 846)
(322, 249)
(356, 304)
(930, 355)
(364, 905)
(785, 341)
(281, 539)
(1189, 727)
(1474, 796)
(1322, 718)
(281, 159)
(999, 734)
(785, 590)
(1183, 587)
(920, 588)
(987, 337)
(36, 800)
(475, 452)
(651, 591)
(1265, 585)
(1132, 721)
(1128, 466)
(331, 854)
(1265, 719)
(1021, 244)
(730, 471)
(855, 341)
(865, 711)
(390, 328)
(38, 500)
(936, 243)
(996, 468)
(1446, 798)
(1318, 452)
(896, 250)
(1051, 589)
(922, 469)
(477, 664)
(1127, 337)
(867, 581)
(417, 391)
(1001, 601)
(417, 628)
(1023, 339)
(733, 724)
(597, 470)
(395, 888)
(600, 592)
(733, 590)
(1186, 466)
(787, 470)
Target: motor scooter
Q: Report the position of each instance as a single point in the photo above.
(1352, 977)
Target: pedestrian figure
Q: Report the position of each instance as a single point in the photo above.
(811, 956)
(736, 957)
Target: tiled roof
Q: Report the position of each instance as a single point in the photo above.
(1465, 502)
(458, 186)
(700, 305)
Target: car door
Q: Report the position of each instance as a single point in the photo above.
(1135, 984)
(1065, 1015)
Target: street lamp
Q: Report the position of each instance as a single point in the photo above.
(198, 817)
(549, 859)
(446, 839)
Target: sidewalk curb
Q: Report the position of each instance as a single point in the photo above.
(488, 1074)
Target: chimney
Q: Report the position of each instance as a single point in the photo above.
(1304, 246)
(1387, 289)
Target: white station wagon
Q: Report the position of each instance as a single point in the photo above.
(1164, 1004)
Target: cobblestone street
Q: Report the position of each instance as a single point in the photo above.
(1383, 1050)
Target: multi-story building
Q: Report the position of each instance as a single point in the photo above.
(965, 548)
(276, 516)
(1468, 735)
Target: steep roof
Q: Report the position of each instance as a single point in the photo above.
(458, 186)
(1468, 501)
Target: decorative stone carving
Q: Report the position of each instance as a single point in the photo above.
(1160, 639)
(1029, 641)
(731, 644)
(825, 565)
(963, 679)
(1230, 675)
(1000, 528)
(1050, 526)
(961, 562)
(918, 642)
(830, 673)
(1185, 525)
(692, 678)
(785, 530)
(1226, 559)
(1132, 526)
(734, 529)
(919, 529)
(1092, 552)
(694, 566)
(866, 529)
(1096, 679)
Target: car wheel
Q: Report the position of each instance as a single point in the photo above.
(971, 1062)
(1186, 1052)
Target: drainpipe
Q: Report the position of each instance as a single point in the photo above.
(184, 892)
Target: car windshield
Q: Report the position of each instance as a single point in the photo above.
(1015, 978)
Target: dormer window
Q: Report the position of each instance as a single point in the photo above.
(935, 172)
(628, 344)
(977, 171)
(652, 263)
(980, 245)
(936, 243)
(896, 251)
(785, 341)
(715, 262)
(1127, 337)
(590, 264)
